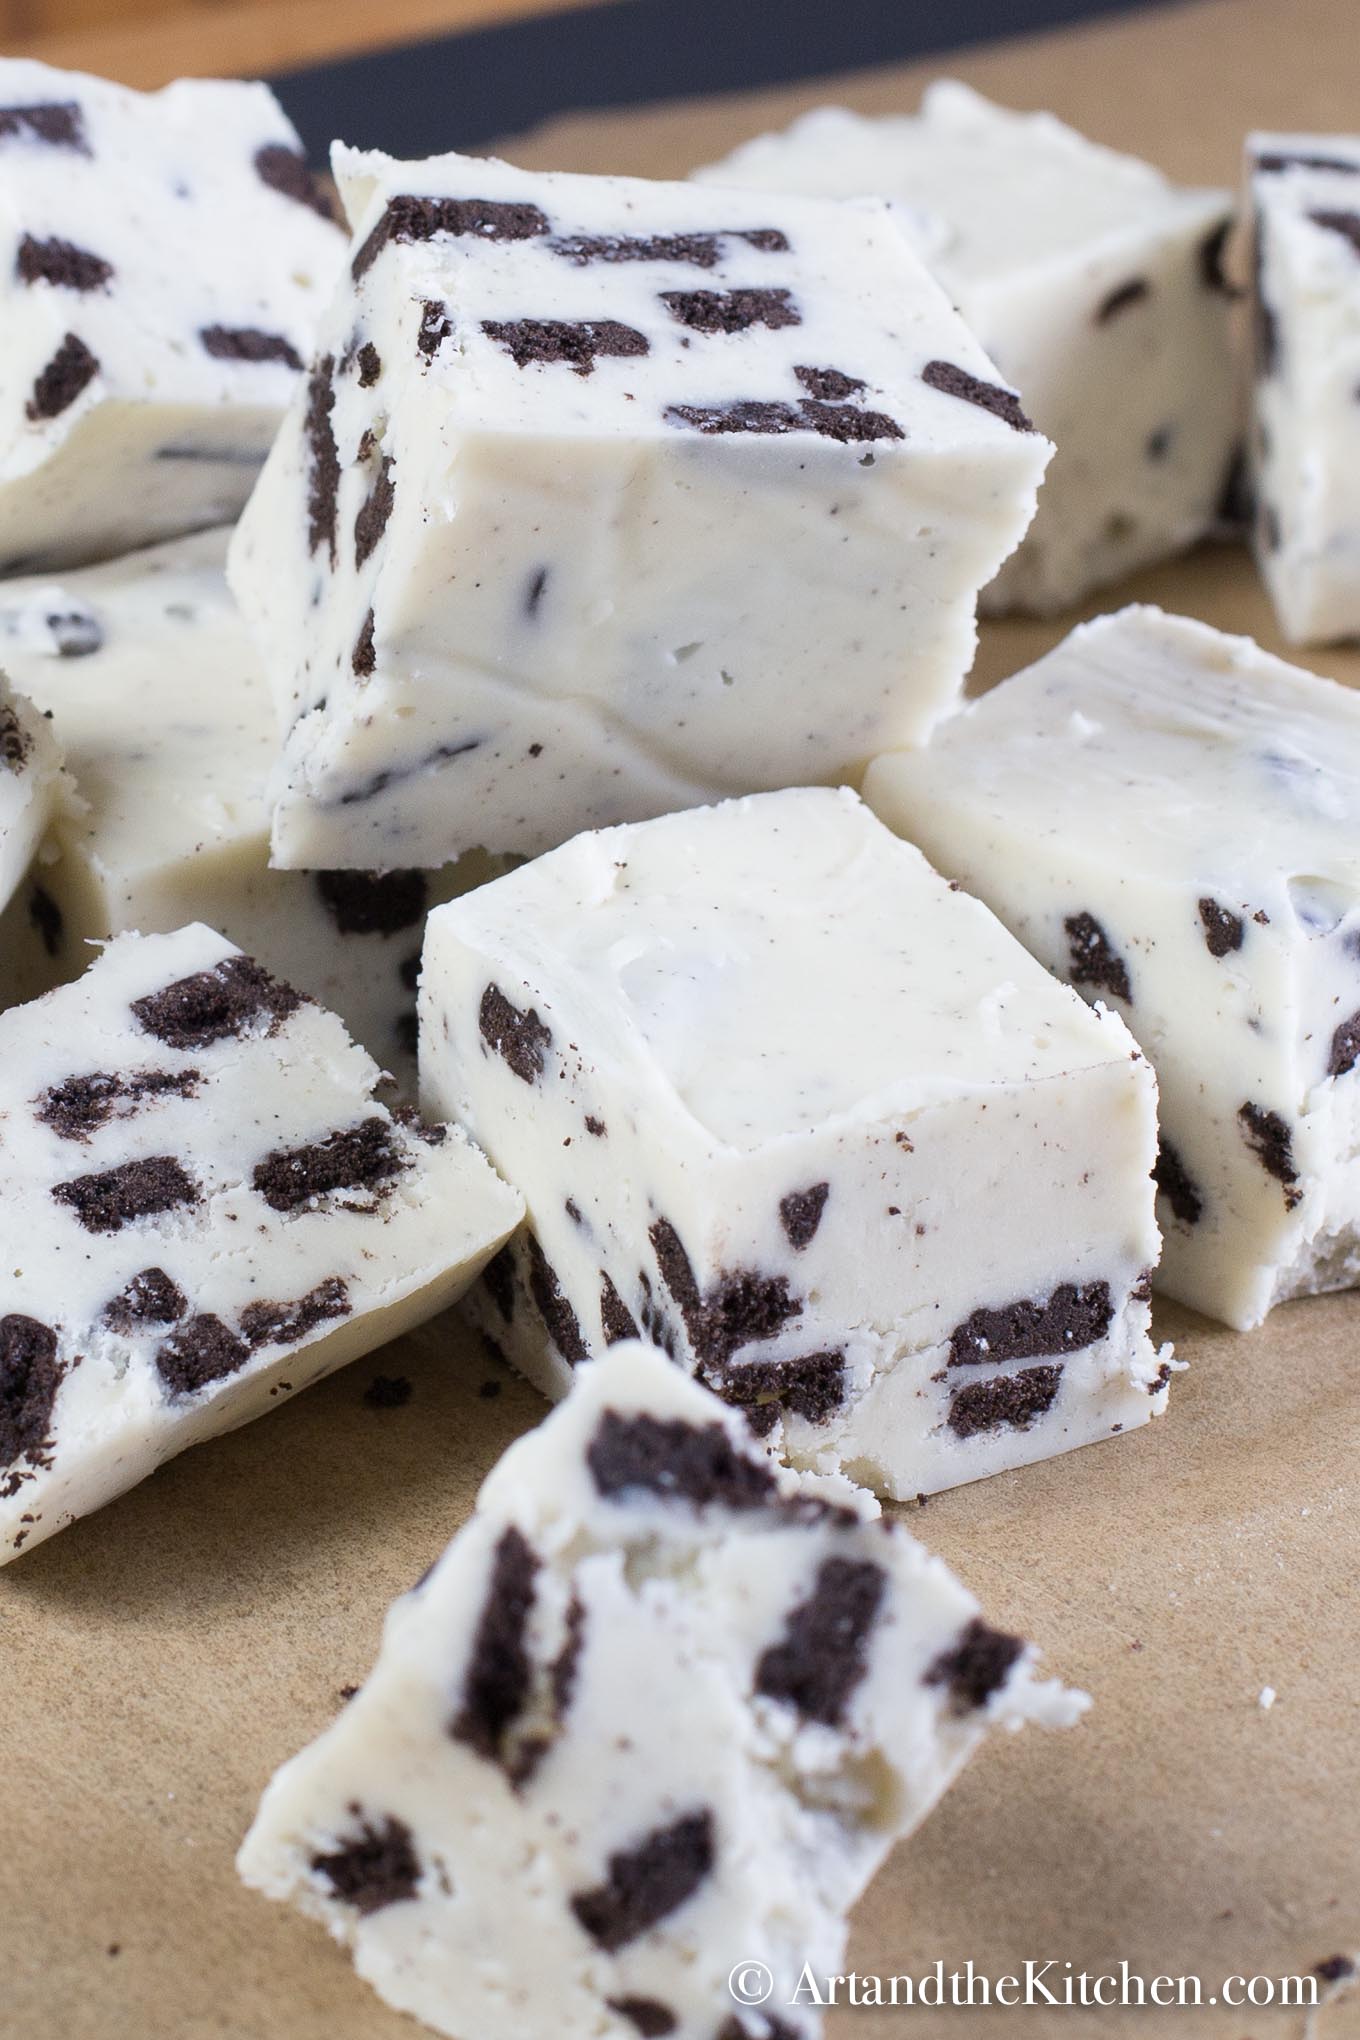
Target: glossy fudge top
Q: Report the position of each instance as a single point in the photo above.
(579, 306)
(775, 964)
(981, 192)
(167, 246)
(1157, 744)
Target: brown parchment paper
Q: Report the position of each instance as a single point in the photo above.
(158, 1660)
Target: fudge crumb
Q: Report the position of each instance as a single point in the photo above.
(1174, 1181)
(249, 344)
(731, 311)
(285, 170)
(72, 369)
(355, 1158)
(647, 1883)
(373, 902)
(519, 1038)
(1121, 298)
(578, 344)
(388, 1392)
(953, 381)
(376, 1867)
(677, 1461)
(1013, 1401)
(800, 1214)
(30, 1375)
(224, 1003)
(1092, 959)
(823, 1654)
(113, 1198)
(1223, 930)
(975, 1667)
(62, 264)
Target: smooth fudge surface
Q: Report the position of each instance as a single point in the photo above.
(785, 1103)
(659, 1709)
(606, 497)
(159, 701)
(1096, 285)
(1304, 195)
(32, 793)
(167, 256)
(206, 1209)
(1170, 819)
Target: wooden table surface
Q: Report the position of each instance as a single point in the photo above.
(144, 43)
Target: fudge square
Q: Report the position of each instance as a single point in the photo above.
(204, 1209)
(1304, 193)
(782, 1101)
(608, 497)
(1170, 819)
(1095, 285)
(165, 257)
(167, 724)
(32, 790)
(660, 1710)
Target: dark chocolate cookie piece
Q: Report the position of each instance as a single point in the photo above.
(1122, 299)
(408, 218)
(198, 1352)
(248, 344)
(1347, 224)
(800, 1214)
(374, 1867)
(1073, 1316)
(1345, 1048)
(285, 170)
(554, 1306)
(1176, 1184)
(435, 328)
(371, 520)
(732, 311)
(1005, 1402)
(616, 1320)
(499, 1675)
(79, 1106)
(578, 344)
(829, 385)
(519, 1038)
(648, 2015)
(283, 1324)
(1093, 959)
(1224, 930)
(70, 371)
(373, 902)
(150, 1298)
(364, 657)
(811, 1386)
(1271, 1140)
(231, 1000)
(677, 1461)
(30, 1375)
(112, 1198)
(823, 1654)
(975, 1667)
(364, 1158)
(953, 381)
(648, 1882)
(60, 263)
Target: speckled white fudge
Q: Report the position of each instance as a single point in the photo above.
(817, 1125)
(1095, 285)
(659, 1712)
(160, 705)
(204, 1208)
(165, 256)
(1304, 193)
(32, 793)
(607, 497)
(1170, 819)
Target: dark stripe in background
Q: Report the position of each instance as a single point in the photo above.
(462, 91)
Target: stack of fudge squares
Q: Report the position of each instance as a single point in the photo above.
(501, 640)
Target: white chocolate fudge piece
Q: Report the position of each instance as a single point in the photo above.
(608, 496)
(31, 793)
(1305, 200)
(1170, 819)
(659, 1711)
(204, 1208)
(1095, 285)
(766, 1082)
(166, 256)
(158, 699)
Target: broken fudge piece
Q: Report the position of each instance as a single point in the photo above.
(1170, 819)
(1304, 193)
(606, 497)
(166, 256)
(768, 1085)
(1096, 286)
(157, 697)
(204, 1208)
(32, 792)
(660, 1710)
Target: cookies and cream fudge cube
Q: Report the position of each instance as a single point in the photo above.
(166, 256)
(766, 1083)
(1096, 286)
(607, 497)
(659, 1711)
(1170, 819)
(204, 1208)
(1304, 194)
(155, 692)
(32, 792)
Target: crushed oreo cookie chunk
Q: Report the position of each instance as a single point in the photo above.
(1347, 224)
(975, 1667)
(578, 344)
(648, 2016)
(499, 1674)
(362, 1158)
(616, 1320)
(79, 1106)
(842, 422)
(1006, 1402)
(70, 371)
(248, 344)
(285, 170)
(811, 1386)
(677, 1461)
(1211, 258)
(1345, 1048)
(370, 365)
(554, 1307)
(150, 1298)
(364, 657)
(829, 385)
(499, 1277)
(1268, 1136)
(1073, 1317)
(701, 251)
(1175, 1183)
(435, 328)
(823, 1654)
(16, 745)
(1093, 960)
(519, 1038)
(407, 218)
(198, 1352)
(953, 381)
(284, 1324)
(60, 263)
(61, 125)
(375, 1867)
(647, 1883)
(1223, 930)
(742, 1308)
(800, 1214)
(731, 311)
(371, 520)
(112, 1198)
(225, 1003)
(373, 902)
(323, 476)
(1122, 298)
(1272, 161)
(30, 1375)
